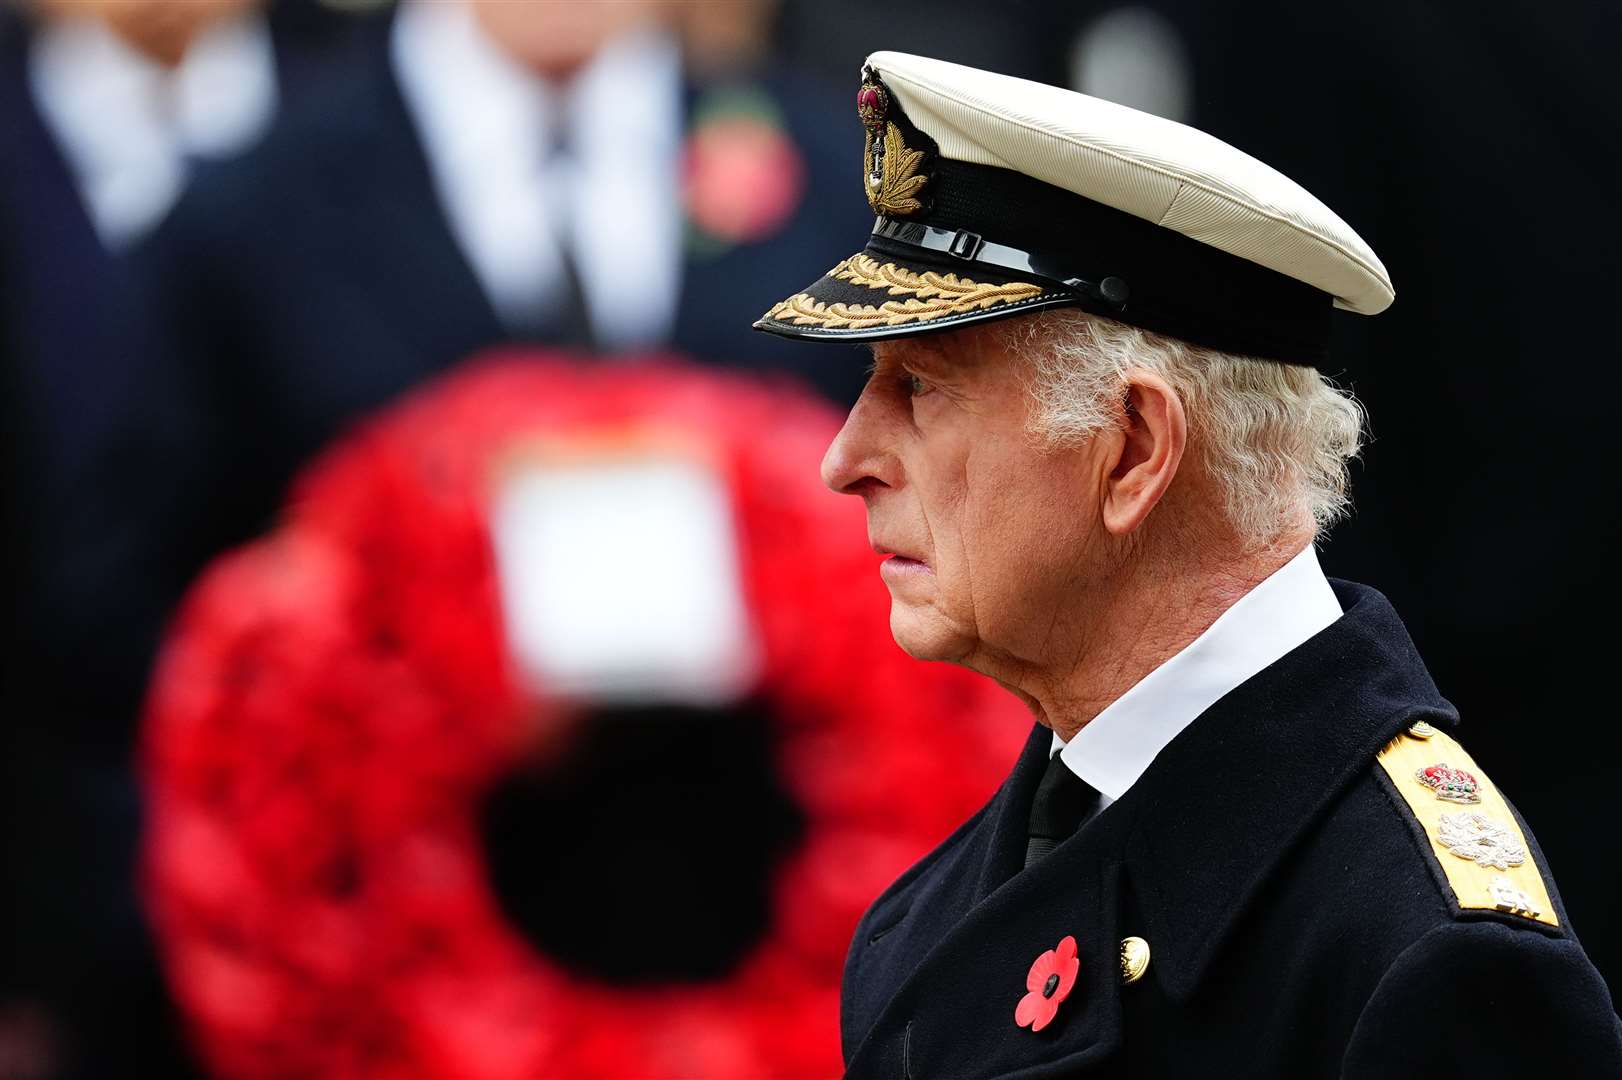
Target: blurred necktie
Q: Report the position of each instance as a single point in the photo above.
(567, 319)
(1063, 801)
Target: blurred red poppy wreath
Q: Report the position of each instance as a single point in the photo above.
(557, 731)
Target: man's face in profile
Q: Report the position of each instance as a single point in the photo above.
(985, 528)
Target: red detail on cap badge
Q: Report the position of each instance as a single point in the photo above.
(871, 105)
(1450, 784)
(1049, 982)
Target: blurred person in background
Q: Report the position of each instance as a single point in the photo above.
(107, 109)
(471, 173)
(449, 177)
(130, 91)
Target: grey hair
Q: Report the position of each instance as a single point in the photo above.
(1276, 437)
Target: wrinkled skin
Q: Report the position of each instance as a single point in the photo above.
(1039, 566)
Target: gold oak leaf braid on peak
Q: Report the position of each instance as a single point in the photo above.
(930, 296)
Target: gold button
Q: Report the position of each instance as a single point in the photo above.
(1134, 960)
(1421, 730)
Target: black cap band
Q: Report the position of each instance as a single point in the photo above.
(1164, 281)
(972, 247)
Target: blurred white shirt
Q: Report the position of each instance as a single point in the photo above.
(127, 125)
(1275, 617)
(524, 167)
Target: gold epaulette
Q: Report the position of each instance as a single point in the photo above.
(1475, 836)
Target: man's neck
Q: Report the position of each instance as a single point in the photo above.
(1154, 609)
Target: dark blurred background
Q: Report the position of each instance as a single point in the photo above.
(229, 229)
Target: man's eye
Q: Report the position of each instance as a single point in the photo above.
(914, 384)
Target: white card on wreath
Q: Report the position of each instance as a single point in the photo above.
(619, 579)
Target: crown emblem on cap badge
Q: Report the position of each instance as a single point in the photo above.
(890, 167)
(1450, 784)
(871, 104)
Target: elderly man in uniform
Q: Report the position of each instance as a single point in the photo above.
(1096, 450)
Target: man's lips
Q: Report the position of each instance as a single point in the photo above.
(899, 567)
(895, 560)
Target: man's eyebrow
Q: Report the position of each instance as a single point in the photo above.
(916, 352)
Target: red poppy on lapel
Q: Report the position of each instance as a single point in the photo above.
(1049, 982)
(742, 176)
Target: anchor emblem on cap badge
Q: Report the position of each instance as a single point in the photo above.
(890, 167)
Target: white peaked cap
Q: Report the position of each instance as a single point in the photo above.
(1156, 169)
(998, 196)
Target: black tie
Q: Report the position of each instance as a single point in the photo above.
(1063, 801)
(566, 318)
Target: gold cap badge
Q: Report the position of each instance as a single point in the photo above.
(890, 166)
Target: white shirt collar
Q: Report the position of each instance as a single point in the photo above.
(1271, 620)
(486, 122)
(126, 124)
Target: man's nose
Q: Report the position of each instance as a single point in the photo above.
(850, 467)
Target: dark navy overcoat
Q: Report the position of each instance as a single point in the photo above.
(1300, 923)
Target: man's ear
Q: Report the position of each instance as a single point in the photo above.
(1147, 452)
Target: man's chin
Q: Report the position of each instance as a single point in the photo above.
(923, 634)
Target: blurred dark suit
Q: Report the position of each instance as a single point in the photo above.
(62, 380)
(77, 342)
(82, 404)
(315, 279)
(70, 340)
